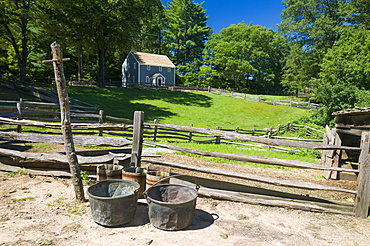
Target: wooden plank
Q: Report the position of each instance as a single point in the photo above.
(237, 196)
(362, 200)
(337, 155)
(287, 183)
(78, 140)
(327, 159)
(58, 173)
(253, 159)
(108, 127)
(137, 139)
(29, 157)
(246, 138)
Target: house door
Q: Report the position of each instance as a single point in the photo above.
(159, 81)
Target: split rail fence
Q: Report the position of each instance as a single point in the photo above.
(362, 199)
(90, 114)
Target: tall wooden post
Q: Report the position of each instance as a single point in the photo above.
(137, 139)
(362, 201)
(19, 115)
(66, 120)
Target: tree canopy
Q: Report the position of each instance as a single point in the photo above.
(186, 32)
(247, 57)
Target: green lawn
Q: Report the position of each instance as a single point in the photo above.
(201, 109)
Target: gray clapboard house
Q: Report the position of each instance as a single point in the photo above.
(147, 69)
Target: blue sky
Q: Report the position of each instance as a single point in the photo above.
(223, 13)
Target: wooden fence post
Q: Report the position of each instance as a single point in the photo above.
(218, 138)
(66, 120)
(137, 139)
(362, 201)
(19, 114)
(155, 130)
(101, 121)
(190, 134)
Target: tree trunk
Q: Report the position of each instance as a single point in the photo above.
(80, 62)
(101, 63)
(24, 52)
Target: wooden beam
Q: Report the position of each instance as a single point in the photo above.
(29, 157)
(137, 139)
(108, 127)
(78, 140)
(253, 159)
(66, 120)
(293, 184)
(237, 197)
(247, 138)
(362, 201)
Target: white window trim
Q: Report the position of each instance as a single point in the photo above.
(148, 67)
(147, 79)
(160, 69)
(169, 69)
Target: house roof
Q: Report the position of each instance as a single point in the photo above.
(353, 111)
(153, 59)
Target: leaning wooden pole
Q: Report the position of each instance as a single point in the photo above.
(66, 120)
(362, 201)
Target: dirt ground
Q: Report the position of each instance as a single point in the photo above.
(39, 210)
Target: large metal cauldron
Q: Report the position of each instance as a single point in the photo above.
(171, 206)
(113, 202)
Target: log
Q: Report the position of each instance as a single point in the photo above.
(253, 159)
(286, 183)
(107, 127)
(58, 173)
(78, 140)
(28, 157)
(237, 197)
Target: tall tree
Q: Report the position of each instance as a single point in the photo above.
(248, 57)
(15, 28)
(312, 27)
(186, 32)
(150, 37)
(344, 79)
(105, 24)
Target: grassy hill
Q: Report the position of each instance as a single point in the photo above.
(201, 109)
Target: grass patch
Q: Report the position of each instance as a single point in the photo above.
(201, 109)
(19, 172)
(40, 147)
(309, 156)
(75, 207)
(15, 200)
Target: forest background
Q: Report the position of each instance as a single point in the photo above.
(321, 46)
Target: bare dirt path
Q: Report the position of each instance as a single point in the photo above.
(42, 211)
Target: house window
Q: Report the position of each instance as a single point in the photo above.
(160, 69)
(133, 79)
(148, 67)
(134, 65)
(169, 69)
(147, 79)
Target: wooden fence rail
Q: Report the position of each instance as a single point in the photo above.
(361, 206)
(249, 97)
